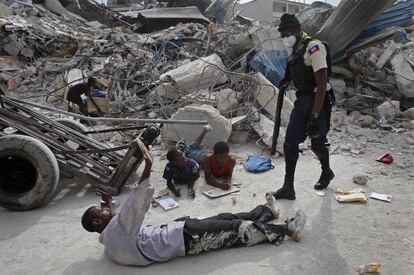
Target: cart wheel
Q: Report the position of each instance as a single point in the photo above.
(29, 172)
(73, 124)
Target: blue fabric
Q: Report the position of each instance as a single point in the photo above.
(197, 152)
(271, 64)
(98, 94)
(258, 164)
(190, 173)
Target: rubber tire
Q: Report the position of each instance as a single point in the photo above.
(43, 161)
(73, 124)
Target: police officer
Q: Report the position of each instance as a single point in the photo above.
(308, 70)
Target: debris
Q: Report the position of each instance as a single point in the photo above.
(346, 22)
(404, 75)
(266, 95)
(409, 114)
(360, 179)
(226, 100)
(355, 197)
(386, 55)
(381, 197)
(199, 74)
(386, 159)
(389, 110)
(264, 128)
(370, 268)
(222, 127)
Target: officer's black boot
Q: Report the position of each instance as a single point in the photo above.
(327, 175)
(288, 191)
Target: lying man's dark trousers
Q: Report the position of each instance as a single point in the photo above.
(228, 230)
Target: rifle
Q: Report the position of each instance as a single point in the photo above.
(279, 106)
(276, 128)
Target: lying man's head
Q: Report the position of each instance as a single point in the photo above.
(221, 151)
(177, 158)
(95, 219)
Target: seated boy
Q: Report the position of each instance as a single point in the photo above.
(218, 164)
(181, 170)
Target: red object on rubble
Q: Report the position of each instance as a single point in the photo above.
(387, 159)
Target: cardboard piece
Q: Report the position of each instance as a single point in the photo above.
(103, 104)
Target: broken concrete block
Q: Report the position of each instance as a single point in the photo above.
(339, 87)
(264, 128)
(409, 114)
(366, 121)
(404, 75)
(266, 95)
(386, 55)
(198, 74)
(226, 100)
(74, 77)
(221, 126)
(4, 10)
(360, 179)
(389, 110)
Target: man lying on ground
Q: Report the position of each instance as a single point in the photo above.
(218, 164)
(128, 242)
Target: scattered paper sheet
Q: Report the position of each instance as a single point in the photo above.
(381, 197)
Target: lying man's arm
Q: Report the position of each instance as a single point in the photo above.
(210, 178)
(133, 211)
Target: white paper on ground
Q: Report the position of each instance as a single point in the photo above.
(381, 197)
(168, 203)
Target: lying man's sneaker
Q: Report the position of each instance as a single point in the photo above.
(283, 194)
(296, 225)
(324, 180)
(271, 203)
(207, 128)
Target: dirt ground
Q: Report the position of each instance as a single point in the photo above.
(337, 239)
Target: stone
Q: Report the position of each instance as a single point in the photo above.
(226, 100)
(339, 87)
(389, 110)
(366, 121)
(221, 126)
(239, 137)
(404, 75)
(355, 115)
(360, 179)
(199, 74)
(4, 10)
(264, 128)
(386, 55)
(266, 96)
(408, 114)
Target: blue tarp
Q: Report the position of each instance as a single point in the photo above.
(271, 64)
(398, 15)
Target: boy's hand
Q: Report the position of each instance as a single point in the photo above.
(226, 185)
(105, 194)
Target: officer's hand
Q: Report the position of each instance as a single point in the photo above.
(312, 128)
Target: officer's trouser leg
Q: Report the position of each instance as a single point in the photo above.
(322, 153)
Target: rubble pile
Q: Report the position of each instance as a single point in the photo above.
(187, 70)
